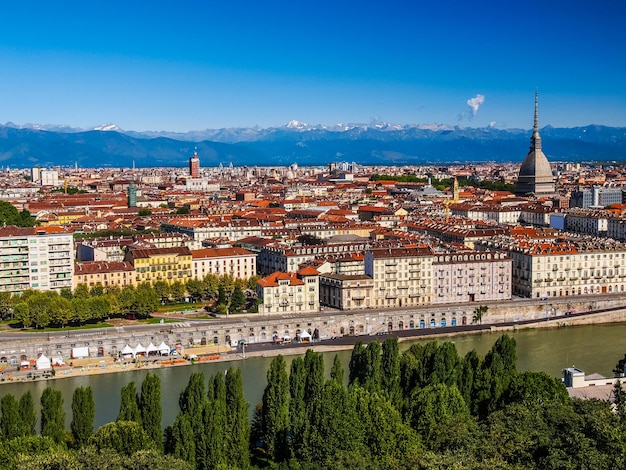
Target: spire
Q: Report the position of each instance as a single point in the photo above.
(535, 140)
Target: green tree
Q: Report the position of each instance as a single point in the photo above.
(52, 415)
(146, 300)
(180, 438)
(275, 410)
(162, 288)
(83, 415)
(125, 437)
(390, 371)
(27, 414)
(10, 424)
(195, 288)
(22, 313)
(177, 290)
(298, 415)
(150, 408)
(144, 212)
(479, 314)
(7, 302)
(237, 300)
(237, 440)
(337, 372)
(129, 406)
(82, 291)
(210, 446)
(9, 215)
(356, 367)
(373, 362)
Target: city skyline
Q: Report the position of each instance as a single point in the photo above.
(210, 66)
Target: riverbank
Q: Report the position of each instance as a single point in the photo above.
(213, 353)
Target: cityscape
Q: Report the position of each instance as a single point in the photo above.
(296, 236)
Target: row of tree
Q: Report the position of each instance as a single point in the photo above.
(426, 408)
(42, 309)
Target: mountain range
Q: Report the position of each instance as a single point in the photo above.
(297, 142)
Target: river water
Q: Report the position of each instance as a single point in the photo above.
(592, 348)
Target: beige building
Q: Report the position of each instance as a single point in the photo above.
(105, 273)
(289, 293)
(564, 267)
(237, 262)
(402, 276)
(346, 291)
(160, 264)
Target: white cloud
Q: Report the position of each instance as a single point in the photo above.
(474, 103)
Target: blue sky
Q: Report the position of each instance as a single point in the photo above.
(192, 65)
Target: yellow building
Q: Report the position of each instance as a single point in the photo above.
(161, 264)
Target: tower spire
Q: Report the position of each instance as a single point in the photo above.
(535, 140)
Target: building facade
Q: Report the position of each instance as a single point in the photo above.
(289, 293)
(160, 264)
(236, 262)
(35, 258)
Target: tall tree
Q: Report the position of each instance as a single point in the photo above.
(298, 414)
(52, 415)
(150, 408)
(27, 415)
(337, 372)
(10, 419)
(356, 368)
(390, 371)
(129, 405)
(373, 362)
(275, 410)
(83, 415)
(238, 438)
(125, 437)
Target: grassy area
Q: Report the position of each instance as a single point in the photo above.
(153, 321)
(180, 307)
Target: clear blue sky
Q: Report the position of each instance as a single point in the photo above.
(191, 65)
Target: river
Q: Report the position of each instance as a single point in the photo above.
(592, 348)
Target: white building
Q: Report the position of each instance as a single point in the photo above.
(237, 262)
(35, 258)
(289, 293)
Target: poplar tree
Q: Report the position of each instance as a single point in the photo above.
(356, 368)
(238, 437)
(372, 367)
(52, 415)
(336, 372)
(298, 416)
(150, 408)
(27, 415)
(192, 398)
(83, 415)
(390, 371)
(129, 406)
(275, 410)
(10, 420)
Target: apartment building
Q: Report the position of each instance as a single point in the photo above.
(200, 230)
(561, 267)
(106, 273)
(161, 264)
(346, 291)
(237, 262)
(40, 258)
(402, 276)
(289, 293)
(471, 277)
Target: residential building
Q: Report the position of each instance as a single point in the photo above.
(40, 258)
(346, 291)
(160, 264)
(106, 273)
(236, 262)
(289, 293)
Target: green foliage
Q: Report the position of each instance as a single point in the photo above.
(275, 410)
(10, 420)
(237, 440)
(12, 451)
(52, 415)
(237, 300)
(124, 437)
(27, 414)
(9, 215)
(83, 415)
(129, 406)
(150, 408)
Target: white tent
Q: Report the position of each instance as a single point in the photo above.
(57, 361)
(305, 336)
(152, 349)
(163, 349)
(43, 363)
(128, 352)
(139, 349)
